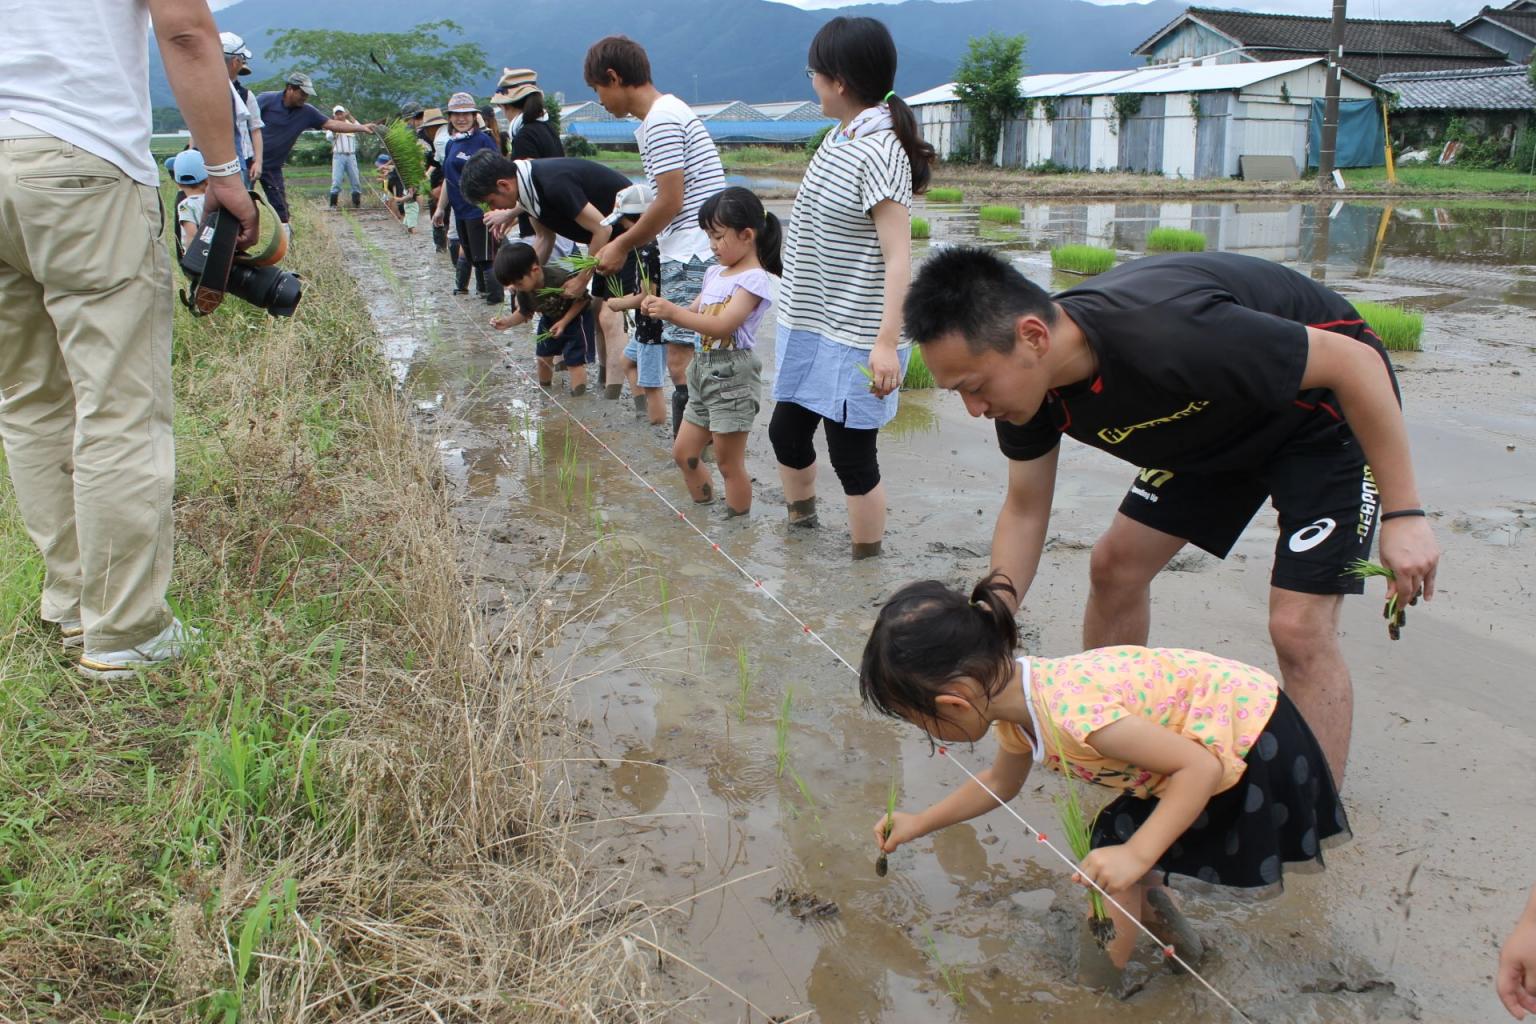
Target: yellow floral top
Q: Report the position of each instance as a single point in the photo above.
(1221, 704)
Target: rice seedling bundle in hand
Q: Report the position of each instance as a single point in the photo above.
(1082, 259)
(405, 150)
(882, 865)
(944, 195)
(1175, 240)
(1079, 831)
(1399, 329)
(1394, 612)
(1001, 214)
(921, 228)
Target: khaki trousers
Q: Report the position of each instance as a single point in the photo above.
(85, 385)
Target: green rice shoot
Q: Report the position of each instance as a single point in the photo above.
(1002, 214)
(1396, 616)
(781, 733)
(1082, 259)
(944, 195)
(918, 375)
(577, 263)
(950, 976)
(1175, 240)
(743, 681)
(1399, 329)
(882, 865)
(1078, 827)
(404, 149)
(921, 228)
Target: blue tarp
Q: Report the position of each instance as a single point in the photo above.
(776, 132)
(1360, 141)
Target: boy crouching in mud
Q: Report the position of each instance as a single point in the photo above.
(565, 325)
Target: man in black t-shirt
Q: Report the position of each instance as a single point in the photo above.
(1227, 380)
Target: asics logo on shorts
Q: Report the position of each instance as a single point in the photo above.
(1310, 536)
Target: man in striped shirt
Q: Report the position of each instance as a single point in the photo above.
(684, 169)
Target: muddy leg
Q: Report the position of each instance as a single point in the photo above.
(546, 370)
(687, 452)
(731, 456)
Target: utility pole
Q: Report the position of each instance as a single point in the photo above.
(1329, 145)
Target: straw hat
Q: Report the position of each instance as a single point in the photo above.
(462, 103)
(433, 118)
(516, 85)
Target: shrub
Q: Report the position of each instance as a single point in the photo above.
(920, 228)
(1000, 214)
(579, 145)
(1398, 328)
(944, 195)
(813, 143)
(1082, 259)
(1175, 240)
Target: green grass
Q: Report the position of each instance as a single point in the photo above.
(1440, 180)
(1175, 240)
(1082, 259)
(1399, 329)
(999, 214)
(921, 228)
(945, 195)
(918, 375)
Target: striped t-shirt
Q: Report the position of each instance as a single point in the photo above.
(672, 138)
(834, 272)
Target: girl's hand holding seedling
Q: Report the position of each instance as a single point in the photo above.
(505, 321)
(904, 829)
(658, 308)
(1113, 868)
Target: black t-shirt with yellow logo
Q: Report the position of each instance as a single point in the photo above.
(1200, 358)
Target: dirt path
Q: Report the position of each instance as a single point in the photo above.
(1402, 926)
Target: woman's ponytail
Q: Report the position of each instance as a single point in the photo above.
(919, 152)
(770, 243)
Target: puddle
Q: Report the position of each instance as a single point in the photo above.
(679, 669)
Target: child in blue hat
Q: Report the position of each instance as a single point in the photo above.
(191, 177)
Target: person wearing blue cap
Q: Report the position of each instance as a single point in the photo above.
(191, 176)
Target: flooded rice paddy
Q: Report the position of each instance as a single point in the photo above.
(688, 687)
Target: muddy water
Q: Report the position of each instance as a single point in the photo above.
(683, 782)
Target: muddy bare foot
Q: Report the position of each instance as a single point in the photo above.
(803, 513)
(1172, 928)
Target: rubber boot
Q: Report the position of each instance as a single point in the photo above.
(357, 200)
(493, 291)
(870, 550)
(461, 278)
(802, 513)
(479, 278)
(679, 403)
(439, 238)
(454, 250)
(333, 199)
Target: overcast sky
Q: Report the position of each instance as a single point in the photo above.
(1428, 10)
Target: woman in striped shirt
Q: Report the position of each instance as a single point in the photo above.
(847, 261)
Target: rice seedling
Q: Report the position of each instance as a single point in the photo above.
(1079, 831)
(743, 681)
(999, 214)
(1393, 611)
(805, 794)
(1175, 240)
(405, 150)
(1399, 329)
(781, 732)
(948, 974)
(577, 263)
(882, 865)
(1082, 259)
(944, 195)
(665, 590)
(921, 228)
(918, 375)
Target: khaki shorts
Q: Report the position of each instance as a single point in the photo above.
(724, 390)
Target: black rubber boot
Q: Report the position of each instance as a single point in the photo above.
(679, 403)
(479, 278)
(357, 200)
(454, 250)
(493, 291)
(439, 238)
(461, 278)
(333, 199)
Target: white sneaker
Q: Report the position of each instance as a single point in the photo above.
(71, 633)
(171, 645)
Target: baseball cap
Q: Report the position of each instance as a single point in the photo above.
(381, 159)
(188, 169)
(301, 80)
(234, 46)
(630, 202)
(338, 109)
(411, 109)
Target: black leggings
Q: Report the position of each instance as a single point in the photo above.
(474, 240)
(793, 430)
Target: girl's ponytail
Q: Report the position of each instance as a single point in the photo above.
(919, 152)
(992, 598)
(770, 242)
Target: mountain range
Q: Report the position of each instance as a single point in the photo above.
(752, 50)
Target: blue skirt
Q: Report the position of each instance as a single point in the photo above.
(824, 376)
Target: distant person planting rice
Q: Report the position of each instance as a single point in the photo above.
(1228, 380)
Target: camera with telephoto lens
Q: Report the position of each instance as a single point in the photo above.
(215, 268)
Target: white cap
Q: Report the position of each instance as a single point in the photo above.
(630, 202)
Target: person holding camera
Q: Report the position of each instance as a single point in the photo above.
(85, 282)
(285, 116)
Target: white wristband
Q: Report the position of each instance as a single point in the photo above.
(229, 170)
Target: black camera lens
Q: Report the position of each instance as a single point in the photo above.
(276, 291)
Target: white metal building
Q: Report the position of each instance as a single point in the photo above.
(1180, 121)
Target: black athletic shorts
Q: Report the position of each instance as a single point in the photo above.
(1324, 493)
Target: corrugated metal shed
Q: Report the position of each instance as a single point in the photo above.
(1472, 89)
(760, 131)
(730, 110)
(792, 110)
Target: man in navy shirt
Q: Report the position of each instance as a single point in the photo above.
(285, 116)
(1228, 381)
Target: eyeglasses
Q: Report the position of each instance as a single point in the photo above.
(810, 72)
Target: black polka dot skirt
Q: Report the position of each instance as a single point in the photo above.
(1283, 810)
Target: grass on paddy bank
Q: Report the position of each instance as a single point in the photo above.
(334, 811)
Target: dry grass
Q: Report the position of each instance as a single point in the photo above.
(345, 808)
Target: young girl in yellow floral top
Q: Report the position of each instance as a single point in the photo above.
(1222, 780)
